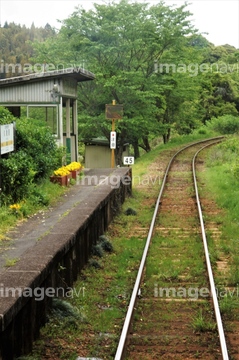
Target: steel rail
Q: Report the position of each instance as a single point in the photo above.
(209, 268)
(122, 342)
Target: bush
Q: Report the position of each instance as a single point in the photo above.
(39, 197)
(36, 156)
(106, 244)
(226, 124)
(5, 116)
(97, 251)
(35, 138)
(18, 170)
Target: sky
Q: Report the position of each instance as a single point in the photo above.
(218, 18)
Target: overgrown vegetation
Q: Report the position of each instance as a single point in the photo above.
(226, 124)
(222, 184)
(25, 185)
(36, 155)
(36, 140)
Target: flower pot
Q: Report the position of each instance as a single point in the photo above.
(61, 180)
(68, 179)
(75, 173)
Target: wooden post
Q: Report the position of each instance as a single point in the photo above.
(75, 125)
(68, 132)
(113, 150)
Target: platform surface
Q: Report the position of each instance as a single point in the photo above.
(25, 235)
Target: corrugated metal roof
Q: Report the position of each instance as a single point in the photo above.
(77, 73)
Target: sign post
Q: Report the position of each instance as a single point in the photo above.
(7, 138)
(128, 160)
(113, 143)
(7, 141)
(113, 112)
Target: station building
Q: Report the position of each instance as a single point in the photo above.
(52, 96)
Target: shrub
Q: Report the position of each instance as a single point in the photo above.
(5, 116)
(36, 156)
(34, 137)
(97, 251)
(18, 175)
(39, 197)
(130, 211)
(106, 244)
(231, 144)
(226, 124)
(94, 263)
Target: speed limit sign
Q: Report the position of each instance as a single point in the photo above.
(128, 160)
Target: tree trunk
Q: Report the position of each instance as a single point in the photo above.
(136, 148)
(166, 136)
(120, 150)
(146, 144)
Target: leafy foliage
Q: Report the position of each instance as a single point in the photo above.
(5, 116)
(126, 45)
(36, 156)
(106, 244)
(227, 124)
(16, 48)
(18, 175)
(120, 43)
(37, 141)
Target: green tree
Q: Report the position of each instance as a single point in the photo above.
(219, 96)
(120, 43)
(124, 44)
(16, 49)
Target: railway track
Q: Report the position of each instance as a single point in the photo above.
(173, 311)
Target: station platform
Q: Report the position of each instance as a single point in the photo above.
(60, 237)
(27, 233)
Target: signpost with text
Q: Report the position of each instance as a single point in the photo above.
(113, 112)
(7, 140)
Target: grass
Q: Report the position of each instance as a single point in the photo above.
(42, 197)
(202, 322)
(229, 303)
(225, 189)
(11, 262)
(7, 221)
(222, 185)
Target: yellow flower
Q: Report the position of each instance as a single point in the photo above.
(62, 171)
(15, 207)
(73, 166)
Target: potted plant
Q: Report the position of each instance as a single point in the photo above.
(61, 176)
(75, 168)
